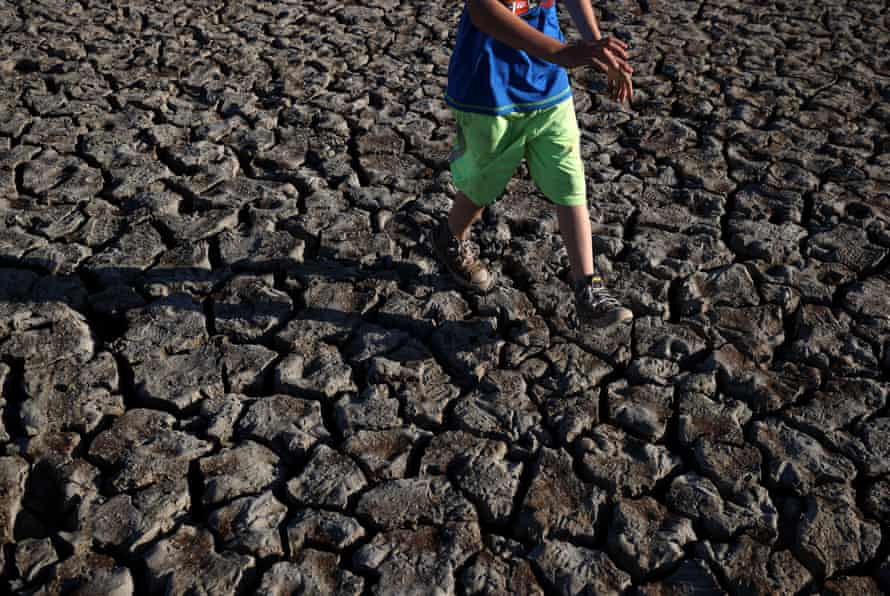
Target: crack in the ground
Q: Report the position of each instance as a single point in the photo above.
(739, 120)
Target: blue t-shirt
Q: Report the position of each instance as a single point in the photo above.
(489, 77)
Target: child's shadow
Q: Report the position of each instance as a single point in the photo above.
(106, 296)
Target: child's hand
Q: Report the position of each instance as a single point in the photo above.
(605, 53)
(620, 85)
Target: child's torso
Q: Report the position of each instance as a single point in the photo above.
(487, 76)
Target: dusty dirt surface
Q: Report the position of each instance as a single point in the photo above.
(230, 364)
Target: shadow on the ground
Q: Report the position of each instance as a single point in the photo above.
(106, 296)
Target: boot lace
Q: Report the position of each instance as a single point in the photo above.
(595, 294)
(465, 252)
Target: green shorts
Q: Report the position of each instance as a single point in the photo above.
(489, 148)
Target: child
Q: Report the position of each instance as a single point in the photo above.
(510, 95)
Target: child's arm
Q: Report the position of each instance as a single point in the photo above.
(495, 19)
(584, 18)
(620, 84)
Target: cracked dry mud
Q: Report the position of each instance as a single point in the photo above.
(230, 363)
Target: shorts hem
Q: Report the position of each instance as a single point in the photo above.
(473, 195)
(567, 202)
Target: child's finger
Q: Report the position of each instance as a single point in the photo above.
(614, 42)
(611, 59)
(615, 48)
(622, 54)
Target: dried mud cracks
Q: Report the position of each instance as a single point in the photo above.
(230, 363)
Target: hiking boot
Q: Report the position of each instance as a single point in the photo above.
(595, 306)
(461, 258)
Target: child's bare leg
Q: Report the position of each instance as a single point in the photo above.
(462, 215)
(574, 225)
(593, 303)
